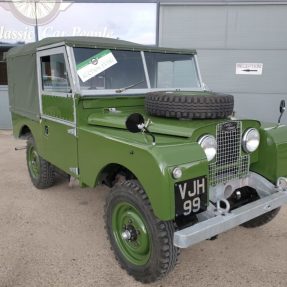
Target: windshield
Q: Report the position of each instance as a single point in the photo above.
(171, 70)
(119, 70)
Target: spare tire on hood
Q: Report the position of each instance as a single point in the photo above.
(189, 105)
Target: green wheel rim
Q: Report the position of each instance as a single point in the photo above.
(33, 162)
(127, 222)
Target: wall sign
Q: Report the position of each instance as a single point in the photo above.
(249, 68)
(27, 11)
(56, 18)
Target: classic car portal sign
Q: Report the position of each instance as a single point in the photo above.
(32, 11)
(56, 18)
(28, 11)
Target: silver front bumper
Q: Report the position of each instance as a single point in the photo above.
(223, 222)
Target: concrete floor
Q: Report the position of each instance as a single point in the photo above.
(55, 237)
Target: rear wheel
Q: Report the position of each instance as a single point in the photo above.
(41, 172)
(142, 244)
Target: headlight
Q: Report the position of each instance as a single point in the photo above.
(251, 139)
(209, 145)
(177, 173)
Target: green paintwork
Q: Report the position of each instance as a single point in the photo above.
(100, 147)
(48, 146)
(126, 216)
(59, 139)
(108, 102)
(20, 122)
(102, 139)
(272, 157)
(174, 127)
(58, 107)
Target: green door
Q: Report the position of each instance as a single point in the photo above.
(57, 106)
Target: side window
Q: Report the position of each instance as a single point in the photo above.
(54, 74)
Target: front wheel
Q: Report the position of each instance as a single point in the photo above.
(262, 219)
(42, 173)
(142, 244)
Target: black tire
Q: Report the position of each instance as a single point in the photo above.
(262, 219)
(172, 105)
(163, 254)
(45, 175)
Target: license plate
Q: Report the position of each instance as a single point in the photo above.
(191, 196)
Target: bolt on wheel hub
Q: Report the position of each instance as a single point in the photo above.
(126, 235)
(130, 233)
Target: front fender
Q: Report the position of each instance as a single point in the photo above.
(151, 165)
(272, 154)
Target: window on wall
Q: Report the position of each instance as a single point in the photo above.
(3, 66)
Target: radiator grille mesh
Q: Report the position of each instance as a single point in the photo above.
(229, 163)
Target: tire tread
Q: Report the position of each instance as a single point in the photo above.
(165, 230)
(213, 106)
(47, 171)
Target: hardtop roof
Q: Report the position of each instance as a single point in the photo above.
(90, 42)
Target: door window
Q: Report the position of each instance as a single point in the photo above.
(54, 74)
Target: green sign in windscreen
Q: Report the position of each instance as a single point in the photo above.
(95, 65)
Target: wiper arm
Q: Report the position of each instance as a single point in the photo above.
(129, 87)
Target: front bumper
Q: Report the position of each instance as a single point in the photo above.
(210, 227)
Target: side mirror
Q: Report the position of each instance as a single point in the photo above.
(135, 123)
(282, 106)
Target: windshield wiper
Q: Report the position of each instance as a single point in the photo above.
(129, 87)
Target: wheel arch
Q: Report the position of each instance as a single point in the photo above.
(109, 173)
(24, 131)
(25, 128)
(114, 173)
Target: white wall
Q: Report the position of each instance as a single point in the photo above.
(5, 117)
(228, 34)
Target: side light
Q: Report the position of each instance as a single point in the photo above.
(177, 173)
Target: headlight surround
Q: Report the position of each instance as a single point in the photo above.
(209, 146)
(251, 140)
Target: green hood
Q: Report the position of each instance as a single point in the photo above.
(113, 112)
(165, 126)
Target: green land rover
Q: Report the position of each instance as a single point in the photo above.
(138, 119)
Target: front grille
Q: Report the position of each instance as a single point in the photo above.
(229, 163)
